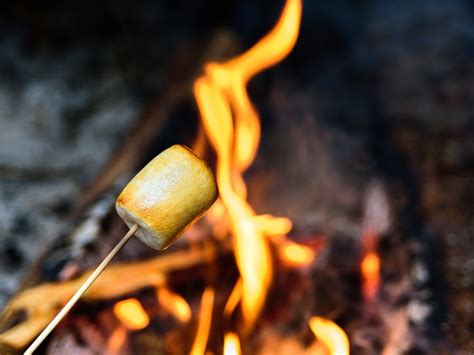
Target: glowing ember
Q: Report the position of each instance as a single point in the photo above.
(174, 304)
(233, 128)
(205, 317)
(370, 269)
(131, 313)
(231, 344)
(297, 255)
(376, 221)
(331, 335)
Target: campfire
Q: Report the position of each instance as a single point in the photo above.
(242, 280)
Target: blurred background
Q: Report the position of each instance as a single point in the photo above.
(375, 93)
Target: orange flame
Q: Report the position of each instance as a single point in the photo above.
(233, 299)
(231, 344)
(331, 335)
(233, 128)
(174, 304)
(370, 269)
(131, 313)
(204, 325)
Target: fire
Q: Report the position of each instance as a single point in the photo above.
(231, 344)
(370, 269)
(376, 221)
(204, 325)
(233, 299)
(131, 313)
(331, 335)
(174, 304)
(232, 126)
(294, 254)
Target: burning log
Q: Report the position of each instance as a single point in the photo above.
(41, 303)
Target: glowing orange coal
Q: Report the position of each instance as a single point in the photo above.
(370, 270)
(232, 126)
(174, 304)
(331, 335)
(296, 255)
(131, 313)
(376, 222)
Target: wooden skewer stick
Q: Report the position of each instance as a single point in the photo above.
(81, 291)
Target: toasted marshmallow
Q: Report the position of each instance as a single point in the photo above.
(167, 196)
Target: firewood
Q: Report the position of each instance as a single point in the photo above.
(41, 303)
